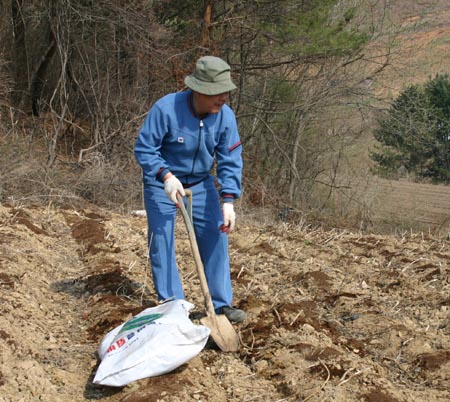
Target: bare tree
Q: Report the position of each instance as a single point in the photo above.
(88, 62)
(295, 96)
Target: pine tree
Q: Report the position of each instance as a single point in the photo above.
(415, 132)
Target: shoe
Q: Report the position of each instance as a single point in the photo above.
(233, 314)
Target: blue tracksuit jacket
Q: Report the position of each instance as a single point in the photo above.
(174, 139)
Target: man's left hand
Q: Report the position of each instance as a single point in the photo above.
(229, 218)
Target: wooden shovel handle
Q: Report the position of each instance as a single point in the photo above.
(187, 215)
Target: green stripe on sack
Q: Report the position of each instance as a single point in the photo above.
(139, 322)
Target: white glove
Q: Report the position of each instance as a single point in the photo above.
(172, 186)
(229, 217)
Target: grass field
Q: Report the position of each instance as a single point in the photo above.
(409, 205)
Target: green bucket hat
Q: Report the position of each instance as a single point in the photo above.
(210, 77)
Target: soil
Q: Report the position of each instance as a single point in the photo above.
(333, 315)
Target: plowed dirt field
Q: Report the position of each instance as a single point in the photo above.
(332, 315)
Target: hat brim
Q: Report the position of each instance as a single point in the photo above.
(209, 88)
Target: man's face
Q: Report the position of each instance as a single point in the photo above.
(209, 103)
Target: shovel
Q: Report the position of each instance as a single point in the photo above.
(222, 332)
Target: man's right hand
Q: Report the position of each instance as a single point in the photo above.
(172, 186)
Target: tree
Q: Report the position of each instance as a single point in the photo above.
(300, 64)
(414, 133)
(293, 61)
(84, 70)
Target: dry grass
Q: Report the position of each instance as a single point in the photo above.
(26, 179)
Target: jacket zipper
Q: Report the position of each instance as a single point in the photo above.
(198, 146)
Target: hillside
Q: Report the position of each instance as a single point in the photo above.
(333, 315)
(421, 44)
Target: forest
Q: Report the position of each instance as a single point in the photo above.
(77, 78)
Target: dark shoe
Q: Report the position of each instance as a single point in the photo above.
(233, 314)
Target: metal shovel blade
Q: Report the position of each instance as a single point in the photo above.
(222, 332)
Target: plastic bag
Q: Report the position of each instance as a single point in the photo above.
(154, 342)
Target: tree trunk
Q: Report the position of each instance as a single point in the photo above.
(20, 55)
(207, 13)
(39, 76)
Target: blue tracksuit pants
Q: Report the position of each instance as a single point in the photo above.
(212, 243)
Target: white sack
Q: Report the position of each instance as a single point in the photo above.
(154, 342)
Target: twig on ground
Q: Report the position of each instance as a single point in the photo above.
(352, 376)
(278, 315)
(323, 385)
(240, 272)
(295, 319)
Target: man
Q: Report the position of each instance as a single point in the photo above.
(184, 135)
